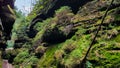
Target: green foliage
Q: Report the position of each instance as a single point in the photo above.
(19, 29)
(41, 6)
(104, 53)
(117, 39)
(41, 25)
(10, 43)
(20, 25)
(33, 60)
(88, 64)
(18, 14)
(117, 17)
(28, 62)
(63, 9)
(21, 57)
(27, 45)
(48, 58)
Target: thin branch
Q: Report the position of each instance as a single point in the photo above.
(99, 28)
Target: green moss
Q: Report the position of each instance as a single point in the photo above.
(41, 25)
(104, 53)
(39, 35)
(117, 17)
(21, 57)
(75, 56)
(48, 59)
(117, 39)
(62, 9)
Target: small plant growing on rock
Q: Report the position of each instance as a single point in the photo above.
(59, 54)
(64, 15)
(40, 51)
(112, 33)
(69, 47)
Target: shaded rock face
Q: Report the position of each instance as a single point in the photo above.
(60, 29)
(50, 12)
(5, 2)
(69, 54)
(90, 17)
(7, 16)
(53, 36)
(59, 3)
(74, 4)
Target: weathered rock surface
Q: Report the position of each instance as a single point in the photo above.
(63, 40)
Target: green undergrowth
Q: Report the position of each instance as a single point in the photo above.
(24, 59)
(117, 39)
(105, 54)
(68, 53)
(76, 55)
(48, 57)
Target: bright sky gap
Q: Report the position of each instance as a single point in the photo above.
(24, 5)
